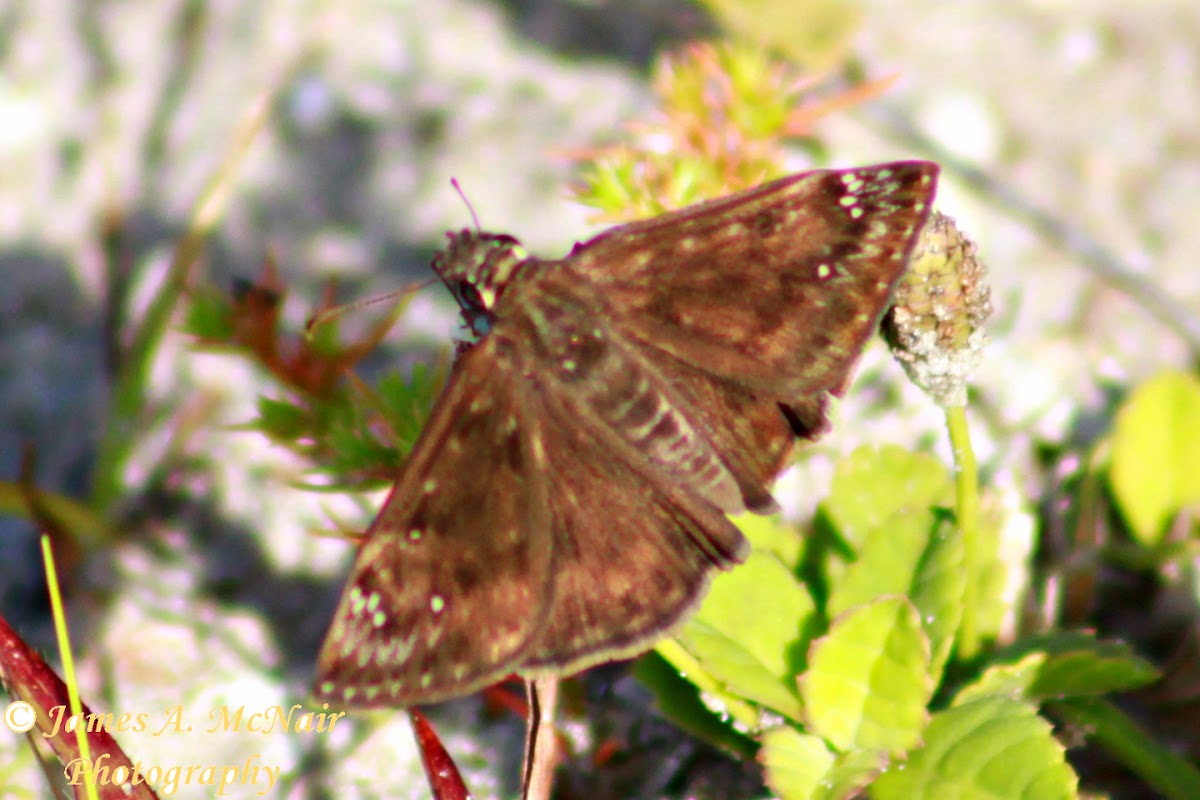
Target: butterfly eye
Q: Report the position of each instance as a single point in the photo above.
(469, 297)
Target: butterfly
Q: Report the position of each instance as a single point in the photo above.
(566, 503)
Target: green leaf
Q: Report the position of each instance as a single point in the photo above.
(937, 592)
(1062, 666)
(989, 749)
(1003, 680)
(754, 655)
(353, 445)
(799, 766)
(1156, 454)
(883, 501)
(679, 700)
(281, 420)
(208, 315)
(852, 772)
(736, 669)
(874, 484)
(1082, 666)
(772, 536)
(727, 707)
(406, 402)
(780, 603)
(867, 683)
(887, 561)
(795, 764)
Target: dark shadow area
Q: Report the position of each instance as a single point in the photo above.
(633, 31)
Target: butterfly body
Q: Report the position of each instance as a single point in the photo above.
(566, 503)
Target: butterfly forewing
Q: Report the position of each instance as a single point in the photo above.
(453, 581)
(776, 288)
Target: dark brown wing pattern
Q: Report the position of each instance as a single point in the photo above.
(776, 288)
(560, 554)
(453, 582)
(564, 504)
(632, 555)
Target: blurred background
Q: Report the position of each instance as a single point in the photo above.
(1067, 131)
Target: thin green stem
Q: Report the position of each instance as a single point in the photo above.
(966, 484)
(64, 650)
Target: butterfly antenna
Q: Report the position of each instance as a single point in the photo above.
(463, 195)
(330, 314)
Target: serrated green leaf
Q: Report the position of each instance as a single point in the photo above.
(1106, 667)
(887, 561)
(355, 449)
(1155, 466)
(985, 750)
(1003, 680)
(754, 655)
(902, 545)
(851, 772)
(867, 683)
(735, 669)
(798, 766)
(780, 608)
(1061, 666)
(795, 764)
(874, 483)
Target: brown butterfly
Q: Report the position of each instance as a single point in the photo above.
(565, 505)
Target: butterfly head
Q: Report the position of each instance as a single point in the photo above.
(475, 267)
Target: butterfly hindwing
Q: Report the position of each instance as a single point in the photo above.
(750, 431)
(610, 389)
(633, 551)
